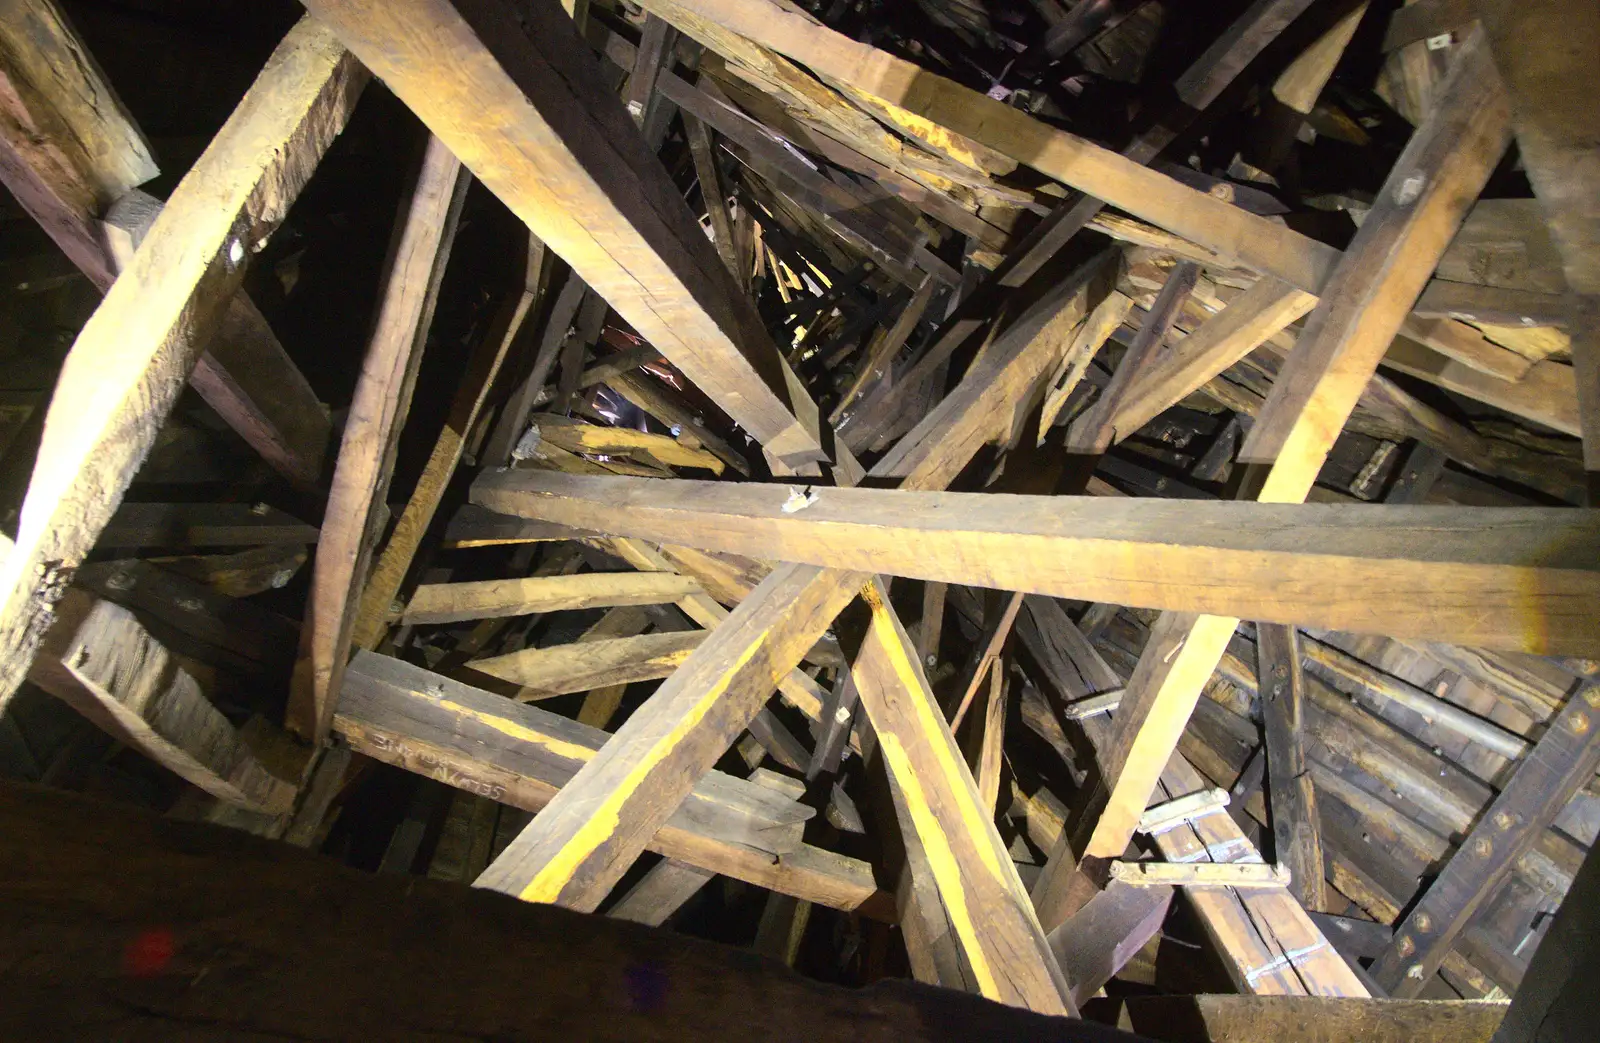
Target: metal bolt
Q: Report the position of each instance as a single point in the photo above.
(1424, 922)
(932, 660)
(121, 581)
(396, 607)
(1409, 190)
(1591, 695)
(1482, 848)
(1404, 945)
(260, 510)
(1579, 723)
(1503, 820)
(189, 604)
(1415, 971)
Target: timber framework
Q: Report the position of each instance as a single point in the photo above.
(1085, 504)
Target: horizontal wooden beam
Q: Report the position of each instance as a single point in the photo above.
(185, 526)
(522, 756)
(1237, 875)
(495, 598)
(128, 365)
(543, 673)
(525, 107)
(1520, 578)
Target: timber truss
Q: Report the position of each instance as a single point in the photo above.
(1149, 468)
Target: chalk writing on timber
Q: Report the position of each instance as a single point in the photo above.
(435, 766)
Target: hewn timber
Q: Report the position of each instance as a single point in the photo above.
(395, 561)
(1311, 1019)
(522, 756)
(102, 662)
(71, 155)
(68, 146)
(993, 921)
(542, 673)
(1098, 940)
(1098, 172)
(574, 853)
(245, 374)
(1543, 782)
(1514, 578)
(1296, 830)
(128, 364)
(427, 227)
(340, 954)
(526, 109)
(188, 526)
(660, 892)
(1268, 943)
(493, 598)
(1441, 170)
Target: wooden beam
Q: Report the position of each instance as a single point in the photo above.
(1563, 760)
(660, 892)
(68, 146)
(1311, 1019)
(579, 437)
(1120, 181)
(1265, 309)
(71, 155)
(308, 921)
(492, 598)
(526, 109)
(390, 572)
(421, 249)
(128, 364)
(245, 374)
(1422, 202)
(1093, 433)
(1268, 943)
(990, 915)
(1237, 875)
(1296, 831)
(577, 850)
(543, 673)
(189, 526)
(99, 660)
(1098, 940)
(1469, 575)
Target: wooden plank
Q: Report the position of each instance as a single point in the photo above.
(875, 366)
(187, 526)
(68, 147)
(1441, 170)
(493, 598)
(1542, 784)
(1296, 830)
(715, 195)
(126, 368)
(542, 673)
(661, 403)
(990, 914)
(527, 110)
(1476, 573)
(421, 248)
(395, 561)
(99, 660)
(991, 753)
(577, 850)
(1237, 875)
